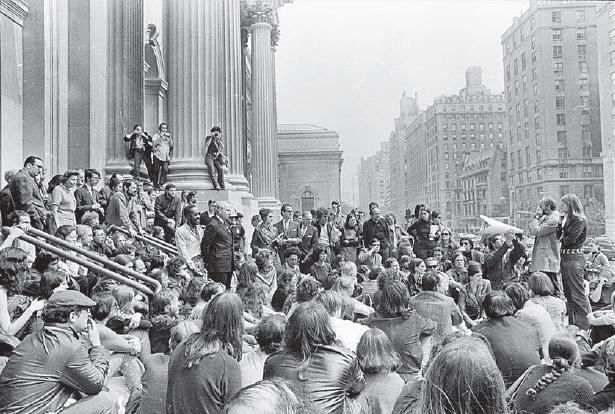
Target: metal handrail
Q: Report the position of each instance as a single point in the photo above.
(158, 241)
(153, 241)
(85, 263)
(93, 256)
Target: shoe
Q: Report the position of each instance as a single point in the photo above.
(222, 188)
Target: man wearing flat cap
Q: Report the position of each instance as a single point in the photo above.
(54, 366)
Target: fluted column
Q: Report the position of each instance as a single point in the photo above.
(125, 78)
(264, 154)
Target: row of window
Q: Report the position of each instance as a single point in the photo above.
(558, 51)
(589, 191)
(481, 127)
(479, 108)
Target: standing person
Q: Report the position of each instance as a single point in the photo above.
(572, 232)
(424, 238)
(377, 228)
(239, 232)
(265, 235)
(545, 255)
(6, 199)
(110, 188)
(63, 203)
(207, 215)
(121, 210)
(204, 371)
(217, 246)
(188, 240)
(350, 238)
(26, 194)
(288, 229)
(86, 196)
(163, 154)
(167, 210)
(214, 157)
(338, 217)
(309, 240)
(140, 144)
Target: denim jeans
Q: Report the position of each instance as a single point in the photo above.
(572, 268)
(213, 165)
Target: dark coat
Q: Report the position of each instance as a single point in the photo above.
(309, 240)
(27, 196)
(217, 247)
(292, 233)
(84, 201)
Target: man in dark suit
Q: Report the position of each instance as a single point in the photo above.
(217, 245)
(87, 196)
(289, 230)
(376, 228)
(25, 192)
(309, 239)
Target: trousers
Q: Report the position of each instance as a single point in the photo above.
(213, 164)
(572, 280)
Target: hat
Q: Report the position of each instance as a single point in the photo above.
(70, 298)
(216, 128)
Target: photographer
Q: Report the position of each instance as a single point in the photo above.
(140, 149)
(163, 153)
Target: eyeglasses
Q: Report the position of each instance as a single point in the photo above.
(432, 266)
(446, 234)
(465, 243)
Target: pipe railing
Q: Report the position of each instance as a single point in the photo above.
(85, 263)
(116, 267)
(166, 247)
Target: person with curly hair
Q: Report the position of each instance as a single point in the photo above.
(269, 334)
(13, 275)
(306, 290)
(543, 387)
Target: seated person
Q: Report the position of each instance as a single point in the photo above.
(165, 316)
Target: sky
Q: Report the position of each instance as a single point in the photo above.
(343, 64)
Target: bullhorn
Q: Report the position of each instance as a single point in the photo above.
(493, 227)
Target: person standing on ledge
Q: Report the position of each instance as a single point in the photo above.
(214, 157)
(163, 153)
(140, 150)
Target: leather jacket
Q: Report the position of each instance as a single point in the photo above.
(47, 368)
(331, 377)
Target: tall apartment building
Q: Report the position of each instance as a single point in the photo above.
(374, 179)
(551, 77)
(455, 126)
(399, 193)
(606, 70)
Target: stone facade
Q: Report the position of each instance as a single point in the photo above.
(374, 179)
(309, 166)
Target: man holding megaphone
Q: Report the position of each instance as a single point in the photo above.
(545, 256)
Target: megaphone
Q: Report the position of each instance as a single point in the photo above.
(493, 227)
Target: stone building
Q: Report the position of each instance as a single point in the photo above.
(309, 166)
(606, 72)
(81, 73)
(553, 104)
(481, 188)
(374, 179)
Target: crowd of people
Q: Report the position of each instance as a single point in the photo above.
(319, 312)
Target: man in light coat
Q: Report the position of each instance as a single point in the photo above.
(545, 256)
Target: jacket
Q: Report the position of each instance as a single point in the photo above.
(498, 267)
(439, 308)
(309, 240)
(545, 255)
(27, 196)
(217, 247)
(369, 232)
(167, 208)
(291, 233)
(121, 212)
(573, 233)
(325, 385)
(47, 368)
(84, 200)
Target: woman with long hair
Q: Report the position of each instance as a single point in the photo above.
(424, 236)
(350, 239)
(541, 291)
(448, 245)
(543, 387)
(572, 232)
(472, 294)
(321, 269)
(379, 361)
(325, 377)
(13, 275)
(204, 372)
(417, 269)
(463, 379)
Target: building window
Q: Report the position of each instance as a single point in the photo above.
(538, 158)
(515, 67)
(521, 35)
(525, 108)
(587, 153)
(536, 106)
(527, 130)
(518, 133)
(557, 34)
(557, 51)
(586, 133)
(560, 102)
(580, 14)
(583, 84)
(563, 172)
(558, 68)
(532, 23)
(533, 41)
(518, 111)
(556, 17)
(564, 189)
(584, 100)
(508, 72)
(562, 155)
(559, 84)
(580, 34)
(536, 91)
(307, 200)
(512, 160)
(560, 119)
(524, 82)
(523, 61)
(582, 50)
(537, 123)
(534, 73)
(561, 137)
(588, 191)
(516, 88)
(533, 55)
(583, 67)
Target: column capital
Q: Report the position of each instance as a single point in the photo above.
(16, 10)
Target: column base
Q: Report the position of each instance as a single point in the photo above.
(122, 167)
(272, 204)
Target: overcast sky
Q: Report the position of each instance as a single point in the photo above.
(343, 64)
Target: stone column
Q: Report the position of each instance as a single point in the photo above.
(125, 79)
(264, 149)
(12, 15)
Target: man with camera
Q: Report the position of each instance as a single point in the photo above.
(215, 158)
(140, 149)
(163, 153)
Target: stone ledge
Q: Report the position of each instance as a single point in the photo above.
(16, 10)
